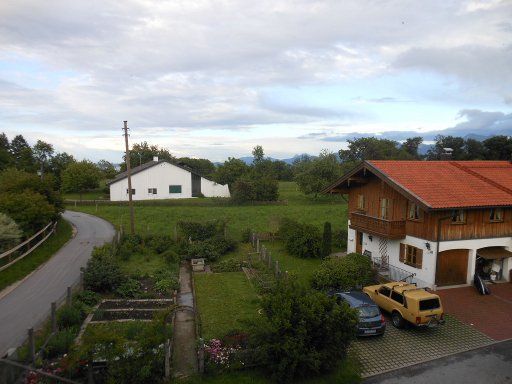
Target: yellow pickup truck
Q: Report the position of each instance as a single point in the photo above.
(407, 302)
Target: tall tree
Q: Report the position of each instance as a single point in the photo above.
(59, 163)
(43, 152)
(314, 174)
(143, 152)
(202, 166)
(230, 171)
(258, 154)
(107, 169)
(411, 146)
(22, 153)
(474, 150)
(441, 142)
(6, 158)
(498, 147)
(80, 177)
(371, 148)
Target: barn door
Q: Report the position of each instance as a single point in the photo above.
(452, 267)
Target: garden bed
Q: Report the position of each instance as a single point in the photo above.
(124, 314)
(136, 304)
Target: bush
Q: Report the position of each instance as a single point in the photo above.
(88, 298)
(327, 240)
(60, 343)
(196, 231)
(69, 316)
(170, 256)
(129, 289)
(223, 245)
(344, 273)
(259, 189)
(247, 235)
(165, 282)
(159, 243)
(243, 191)
(303, 241)
(340, 239)
(102, 273)
(303, 333)
(203, 250)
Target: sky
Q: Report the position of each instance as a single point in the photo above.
(212, 79)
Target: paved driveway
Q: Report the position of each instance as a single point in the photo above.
(400, 348)
(28, 304)
(490, 314)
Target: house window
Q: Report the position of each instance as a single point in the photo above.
(384, 208)
(133, 191)
(414, 212)
(458, 216)
(360, 202)
(152, 191)
(174, 188)
(384, 291)
(496, 215)
(411, 255)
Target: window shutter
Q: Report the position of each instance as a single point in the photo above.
(419, 257)
(402, 252)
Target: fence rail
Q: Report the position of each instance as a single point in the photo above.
(43, 234)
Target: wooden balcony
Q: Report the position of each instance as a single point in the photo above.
(390, 229)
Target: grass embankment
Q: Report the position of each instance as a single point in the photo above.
(46, 250)
(162, 219)
(226, 302)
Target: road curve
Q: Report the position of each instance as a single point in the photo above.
(28, 304)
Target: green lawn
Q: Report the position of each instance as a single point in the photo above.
(226, 301)
(162, 219)
(23, 267)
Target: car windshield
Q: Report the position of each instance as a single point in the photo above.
(426, 305)
(368, 311)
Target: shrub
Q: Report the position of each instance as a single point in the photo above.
(102, 273)
(69, 316)
(340, 239)
(303, 333)
(129, 289)
(201, 231)
(88, 298)
(159, 243)
(223, 245)
(203, 250)
(60, 343)
(351, 271)
(247, 235)
(266, 189)
(165, 282)
(327, 240)
(243, 191)
(304, 241)
(170, 256)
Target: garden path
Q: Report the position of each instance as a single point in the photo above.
(184, 348)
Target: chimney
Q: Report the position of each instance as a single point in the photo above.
(155, 158)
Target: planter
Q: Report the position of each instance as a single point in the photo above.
(197, 265)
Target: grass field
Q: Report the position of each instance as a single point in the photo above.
(23, 267)
(162, 219)
(226, 302)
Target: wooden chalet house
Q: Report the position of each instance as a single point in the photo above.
(442, 220)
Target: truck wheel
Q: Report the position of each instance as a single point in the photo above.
(397, 320)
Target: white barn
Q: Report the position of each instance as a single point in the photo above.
(160, 179)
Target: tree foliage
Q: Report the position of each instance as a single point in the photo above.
(10, 233)
(229, 172)
(107, 169)
(141, 153)
(80, 177)
(314, 174)
(204, 167)
(303, 333)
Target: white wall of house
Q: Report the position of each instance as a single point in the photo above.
(428, 271)
(212, 189)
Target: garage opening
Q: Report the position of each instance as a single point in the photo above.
(489, 262)
(452, 267)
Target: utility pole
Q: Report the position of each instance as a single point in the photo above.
(129, 172)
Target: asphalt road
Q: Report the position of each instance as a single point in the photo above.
(488, 365)
(28, 304)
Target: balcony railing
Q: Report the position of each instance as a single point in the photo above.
(391, 229)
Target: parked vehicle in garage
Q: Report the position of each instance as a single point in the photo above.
(371, 321)
(407, 303)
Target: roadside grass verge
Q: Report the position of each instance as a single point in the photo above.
(46, 250)
(226, 302)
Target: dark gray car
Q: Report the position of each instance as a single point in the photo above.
(371, 321)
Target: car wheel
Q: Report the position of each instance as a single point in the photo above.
(397, 320)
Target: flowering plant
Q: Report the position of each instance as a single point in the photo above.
(221, 356)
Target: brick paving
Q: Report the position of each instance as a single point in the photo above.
(489, 314)
(399, 348)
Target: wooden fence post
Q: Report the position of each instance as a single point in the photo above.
(68, 296)
(269, 260)
(258, 245)
(200, 356)
(32, 346)
(167, 363)
(277, 268)
(54, 317)
(82, 287)
(253, 239)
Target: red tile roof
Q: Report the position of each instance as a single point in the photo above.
(452, 184)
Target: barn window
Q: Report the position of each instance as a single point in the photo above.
(360, 202)
(133, 191)
(411, 255)
(152, 191)
(458, 216)
(414, 212)
(174, 188)
(496, 215)
(384, 208)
